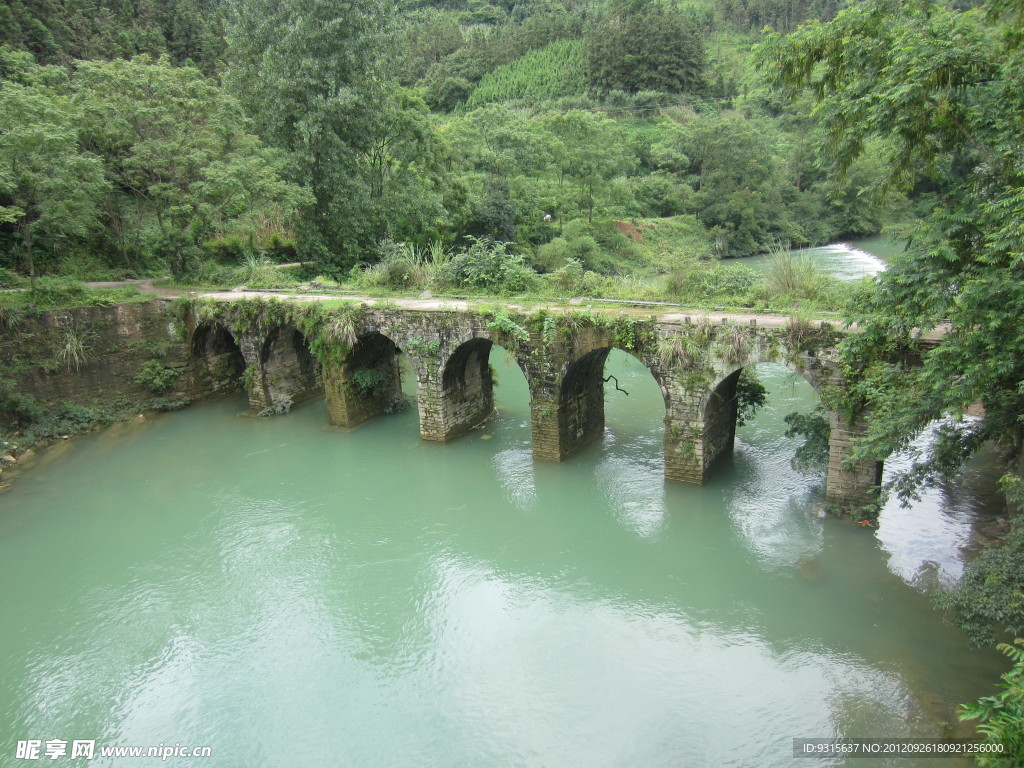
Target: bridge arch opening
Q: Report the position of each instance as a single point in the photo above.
(825, 448)
(469, 380)
(217, 357)
(735, 399)
(366, 383)
(291, 374)
(610, 391)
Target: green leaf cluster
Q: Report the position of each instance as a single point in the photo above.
(934, 92)
(157, 377)
(1001, 717)
(990, 594)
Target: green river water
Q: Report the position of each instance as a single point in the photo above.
(295, 595)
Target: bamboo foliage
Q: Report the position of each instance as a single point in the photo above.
(548, 73)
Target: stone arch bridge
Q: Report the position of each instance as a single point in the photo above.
(285, 352)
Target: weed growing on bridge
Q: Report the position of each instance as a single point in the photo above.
(250, 376)
(330, 331)
(423, 348)
(501, 322)
(631, 333)
(549, 330)
(735, 348)
(575, 321)
(684, 349)
(205, 310)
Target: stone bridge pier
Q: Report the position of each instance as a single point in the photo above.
(364, 383)
(850, 484)
(280, 371)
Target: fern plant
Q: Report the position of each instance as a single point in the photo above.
(1001, 717)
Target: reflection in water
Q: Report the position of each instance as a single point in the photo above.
(926, 540)
(514, 468)
(766, 490)
(296, 595)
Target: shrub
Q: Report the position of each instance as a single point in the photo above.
(582, 250)
(370, 383)
(230, 247)
(17, 408)
(175, 249)
(488, 267)
(569, 277)
(157, 377)
(702, 281)
(991, 591)
(659, 195)
(66, 419)
(280, 248)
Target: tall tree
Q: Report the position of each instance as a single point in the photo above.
(306, 70)
(942, 92)
(49, 188)
(645, 46)
(590, 151)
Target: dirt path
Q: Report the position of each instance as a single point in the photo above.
(145, 285)
(665, 312)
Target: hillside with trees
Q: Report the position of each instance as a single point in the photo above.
(430, 124)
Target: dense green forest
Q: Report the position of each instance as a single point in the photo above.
(192, 135)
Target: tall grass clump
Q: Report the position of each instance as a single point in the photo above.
(794, 275)
(258, 271)
(74, 347)
(399, 267)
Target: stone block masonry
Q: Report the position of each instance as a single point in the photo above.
(116, 343)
